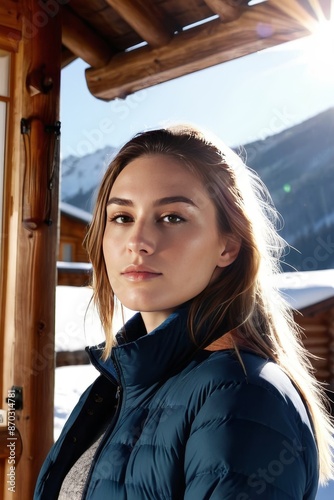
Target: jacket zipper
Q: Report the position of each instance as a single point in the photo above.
(110, 427)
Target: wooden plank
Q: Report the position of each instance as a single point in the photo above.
(69, 277)
(31, 278)
(227, 11)
(324, 305)
(185, 12)
(9, 15)
(260, 27)
(10, 25)
(9, 39)
(67, 57)
(321, 351)
(111, 26)
(104, 20)
(323, 375)
(146, 19)
(80, 38)
(8, 253)
(316, 328)
(315, 341)
(66, 358)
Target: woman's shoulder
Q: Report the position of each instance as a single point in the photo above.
(245, 367)
(228, 366)
(252, 387)
(252, 423)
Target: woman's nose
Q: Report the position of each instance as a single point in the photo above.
(142, 239)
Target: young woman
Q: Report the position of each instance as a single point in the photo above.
(207, 392)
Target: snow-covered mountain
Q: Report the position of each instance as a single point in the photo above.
(80, 177)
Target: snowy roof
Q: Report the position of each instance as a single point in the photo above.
(304, 289)
(75, 212)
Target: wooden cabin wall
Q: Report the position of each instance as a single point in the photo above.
(318, 337)
(68, 277)
(30, 233)
(72, 232)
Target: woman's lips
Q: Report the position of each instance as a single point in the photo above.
(139, 273)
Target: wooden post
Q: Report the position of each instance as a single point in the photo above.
(32, 277)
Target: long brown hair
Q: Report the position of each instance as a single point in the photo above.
(244, 297)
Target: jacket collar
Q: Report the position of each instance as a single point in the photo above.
(148, 358)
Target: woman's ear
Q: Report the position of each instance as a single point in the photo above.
(230, 251)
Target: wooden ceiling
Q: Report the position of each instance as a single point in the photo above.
(133, 44)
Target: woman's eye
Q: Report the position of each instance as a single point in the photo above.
(172, 219)
(120, 219)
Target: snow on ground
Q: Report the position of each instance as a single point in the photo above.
(77, 326)
(77, 322)
(70, 383)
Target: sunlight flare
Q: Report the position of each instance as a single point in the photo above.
(319, 51)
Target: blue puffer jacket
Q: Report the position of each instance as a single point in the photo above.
(186, 424)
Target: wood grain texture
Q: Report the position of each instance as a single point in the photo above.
(317, 323)
(83, 41)
(146, 19)
(193, 50)
(31, 280)
(10, 25)
(227, 10)
(10, 14)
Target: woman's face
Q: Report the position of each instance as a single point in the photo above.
(161, 243)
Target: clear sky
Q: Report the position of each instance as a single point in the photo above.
(240, 101)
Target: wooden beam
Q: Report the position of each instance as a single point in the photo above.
(9, 14)
(10, 25)
(227, 10)
(260, 27)
(9, 245)
(10, 39)
(146, 19)
(67, 57)
(83, 41)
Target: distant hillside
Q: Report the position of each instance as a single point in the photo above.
(297, 165)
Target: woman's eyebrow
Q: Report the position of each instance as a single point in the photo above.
(120, 201)
(174, 199)
(161, 201)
